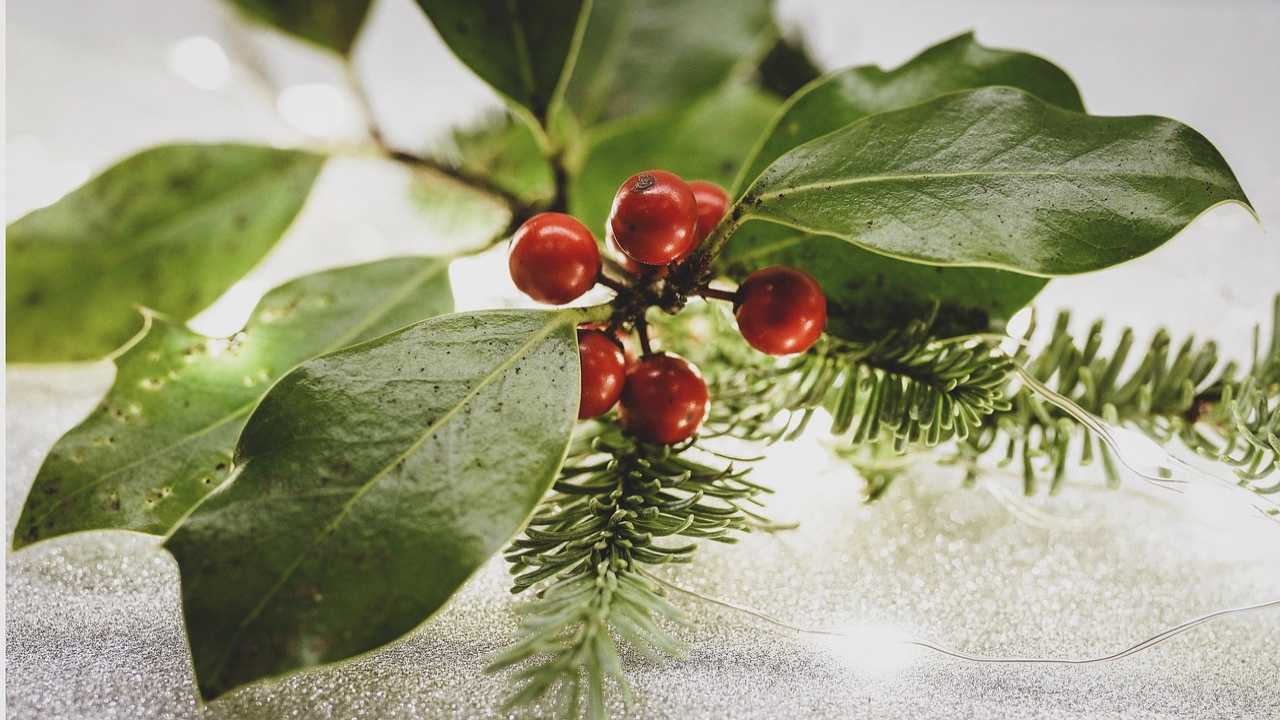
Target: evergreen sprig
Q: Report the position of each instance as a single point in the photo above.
(615, 507)
(910, 390)
(906, 389)
(1189, 396)
(879, 463)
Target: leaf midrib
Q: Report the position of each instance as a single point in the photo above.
(433, 268)
(908, 177)
(554, 323)
(524, 59)
(769, 248)
(190, 215)
(606, 67)
(184, 215)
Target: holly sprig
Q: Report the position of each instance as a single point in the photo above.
(328, 477)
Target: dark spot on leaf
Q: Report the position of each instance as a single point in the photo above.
(181, 183)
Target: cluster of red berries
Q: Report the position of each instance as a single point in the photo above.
(657, 219)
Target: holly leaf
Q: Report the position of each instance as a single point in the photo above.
(170, 228)
(507, 153)
(998, 178)
(848, 95)
(703, 141)
(461, 219)
(374, 482)
(869, 295)
(643, 56)
(525, 50)
(332, 24)
(162, 438)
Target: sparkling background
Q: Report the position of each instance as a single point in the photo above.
(93, 626)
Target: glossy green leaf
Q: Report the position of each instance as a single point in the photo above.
(458, 218)
(332, 24)
(170, 228)
(848, 95)
(642, 56)
(997, 178)
(375, 481)
(703, 141)
(525, 49)
(869, 295)
(162, 438)
(506, 153)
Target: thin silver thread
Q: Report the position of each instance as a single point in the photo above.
(1097, 426)
(1139, 647)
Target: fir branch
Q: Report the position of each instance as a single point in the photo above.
(918, 390)
(1188, 396)
(907, 389)
(911, 390)
(616, 507)
(480, 178)
(878, 463)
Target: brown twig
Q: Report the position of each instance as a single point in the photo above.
(615, 285)
(642, 332)
(716, 294)
(613, 266)
(518, 207)
(691, 274)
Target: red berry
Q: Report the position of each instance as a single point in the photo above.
(712, 202)
(604, 370)
(654, 218)
(781, 310)
(628, 343)
(554, 258)
(665, 399)
(630, 265)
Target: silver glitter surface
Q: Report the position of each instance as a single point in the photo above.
(95, 631)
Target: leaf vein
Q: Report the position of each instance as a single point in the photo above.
(376, 314)
(499, 370)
